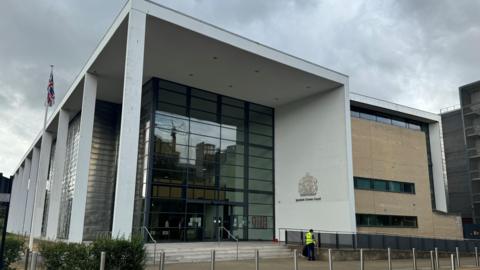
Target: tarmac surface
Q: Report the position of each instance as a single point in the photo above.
(287, 264)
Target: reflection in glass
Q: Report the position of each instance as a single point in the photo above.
(232, 134)
(201, 154)
(206, 129)
(171, 122)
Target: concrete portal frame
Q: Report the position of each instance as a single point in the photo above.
(149, 40)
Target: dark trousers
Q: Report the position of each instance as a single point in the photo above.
(311, 251)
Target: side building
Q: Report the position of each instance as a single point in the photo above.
(398, 171)
(462, 151)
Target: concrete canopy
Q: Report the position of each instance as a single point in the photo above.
(182, 49)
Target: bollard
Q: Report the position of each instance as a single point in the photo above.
(362, 264)
(257, 263)
(295, 263)
(437, 263)
(162, 260)
(103, 255)
(33, 266)
(458, 257)
(27, 257)
(414, 258)
(476, 257)
(389, 256)
(330, 261)
(452, 261)
(212, 260)
(432, 264)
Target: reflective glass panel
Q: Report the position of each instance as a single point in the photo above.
(261, 118)
(201, 152)
(172, 98)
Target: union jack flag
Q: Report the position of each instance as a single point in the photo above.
(50, 91)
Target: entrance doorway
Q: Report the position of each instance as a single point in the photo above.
(213, 221)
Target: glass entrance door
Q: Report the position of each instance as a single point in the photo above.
(205, 220)
(217, 219)
(210, 222)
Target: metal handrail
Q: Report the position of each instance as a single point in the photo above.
(280, 230)
(230, 235)
(155, 244)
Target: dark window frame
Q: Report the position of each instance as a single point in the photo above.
(388, 184)
(386, 221)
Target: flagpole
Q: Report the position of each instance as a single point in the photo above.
(32, 224)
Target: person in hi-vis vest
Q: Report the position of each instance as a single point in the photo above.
(310, 243)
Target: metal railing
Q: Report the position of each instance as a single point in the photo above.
(230, 235)
(154, 244)
(350, 240)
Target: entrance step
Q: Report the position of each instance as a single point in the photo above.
(224, 251)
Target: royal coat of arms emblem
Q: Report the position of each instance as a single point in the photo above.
(308, 186)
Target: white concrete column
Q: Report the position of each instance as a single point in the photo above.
(22, 200)
(77, 217)
(128, 145)
(438, 171)
(27, 221)
(12, 224)
(56, 187)
(42, 175)
(16, 210)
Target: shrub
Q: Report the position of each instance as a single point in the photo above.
(121, 254)
(12, 251)
(59, 255)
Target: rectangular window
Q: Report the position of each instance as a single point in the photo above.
(368, 116)
(362, 183)
(383, 185)
(399, 123)
(372, 220)
(380, 185)
(385, 118)
(414, 126)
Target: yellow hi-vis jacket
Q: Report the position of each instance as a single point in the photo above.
(309, 238)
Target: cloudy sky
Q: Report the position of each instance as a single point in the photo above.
(416, 53)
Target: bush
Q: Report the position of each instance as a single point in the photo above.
(13, 250)
(121, 254)
(59, 255)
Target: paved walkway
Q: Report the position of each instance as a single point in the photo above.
(287, 264)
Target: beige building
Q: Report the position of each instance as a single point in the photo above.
(394, 186)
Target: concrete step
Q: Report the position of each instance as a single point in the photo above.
(201, 252)
(224, 257)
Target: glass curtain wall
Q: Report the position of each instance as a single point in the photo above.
(69, 176)
(210, 165)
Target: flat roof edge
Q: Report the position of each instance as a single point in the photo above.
(395, 107)
(476, 83)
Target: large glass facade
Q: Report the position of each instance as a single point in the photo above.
(69, 176)
(210, 165)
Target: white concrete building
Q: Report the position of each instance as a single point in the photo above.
(180, 127)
